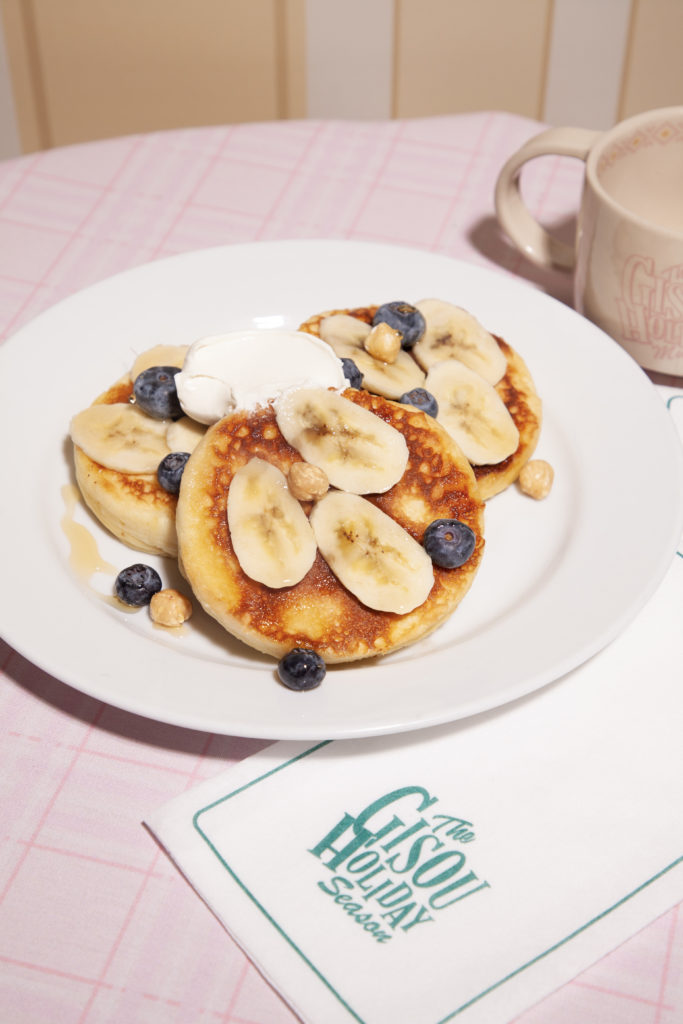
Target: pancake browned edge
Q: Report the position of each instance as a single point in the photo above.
(516, 389)
(318, 612)
(134, 507)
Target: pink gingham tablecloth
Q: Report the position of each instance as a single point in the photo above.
(96, 925)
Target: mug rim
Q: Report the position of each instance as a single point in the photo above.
(610, 136)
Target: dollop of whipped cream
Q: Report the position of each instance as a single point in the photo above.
(244, 369)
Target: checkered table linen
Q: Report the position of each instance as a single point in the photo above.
(96, 925)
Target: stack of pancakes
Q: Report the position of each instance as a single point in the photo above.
(318, 612)
(516, 389)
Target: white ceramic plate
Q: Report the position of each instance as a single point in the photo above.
(560, 578)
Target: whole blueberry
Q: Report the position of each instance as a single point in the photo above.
(155, 392)
(170, 471)
(448, 542)
(422, 399)
(352, 373)
(403, 318)
(301, 669)
(137, 584)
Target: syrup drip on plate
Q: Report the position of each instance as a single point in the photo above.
(84, 557)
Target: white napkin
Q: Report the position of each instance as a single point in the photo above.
(463, 872)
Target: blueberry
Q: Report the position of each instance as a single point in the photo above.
(137, 584)
(155, 392)
(352, 373)
(404, 318)
(448, 542)
(301, 669)
(422, 399)
(170, 471)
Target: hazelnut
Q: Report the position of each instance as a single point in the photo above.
(536, 478)
(383, 342)
(170, 608)
(307, 482)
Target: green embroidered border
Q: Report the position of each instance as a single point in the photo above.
(341, 1000)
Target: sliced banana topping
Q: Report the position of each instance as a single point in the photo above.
(270, 532)
(390, 380)
(358, 451)
(453, 333)
(343, 329)
(159, 355)
(347, 336)
(371, 554)
(184, 435)
(121, 437)
(473, 413)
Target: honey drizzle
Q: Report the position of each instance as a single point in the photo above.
(84, 557)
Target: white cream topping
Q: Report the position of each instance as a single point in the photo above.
(245, 369)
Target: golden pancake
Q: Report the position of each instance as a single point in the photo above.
(516, 389)
(132, 506)
(519, 395)
(319, 612)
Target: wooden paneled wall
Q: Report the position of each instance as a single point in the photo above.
(86, 69)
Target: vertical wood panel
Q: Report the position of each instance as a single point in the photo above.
(87, 69)
(132, 67)
(24, 69)
(587, 51)
(10, 145)
(653, 73)
(350, 48)
(291, 32)
(456, 55)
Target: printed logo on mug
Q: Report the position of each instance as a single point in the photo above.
(628, 256)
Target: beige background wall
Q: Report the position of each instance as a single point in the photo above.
(72, 70)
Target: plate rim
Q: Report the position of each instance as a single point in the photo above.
(308, 730)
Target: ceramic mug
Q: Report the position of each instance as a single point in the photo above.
(628, 256)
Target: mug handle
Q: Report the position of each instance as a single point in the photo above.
(513, 216)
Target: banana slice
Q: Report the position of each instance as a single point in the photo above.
(390, 380)
(343, 329)
(159, 355)
(473, 413)
(453, 333)
(371, 554)
(121, 437)
(346, 336)
(358, 451)
(269, 529)
(184, 435)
